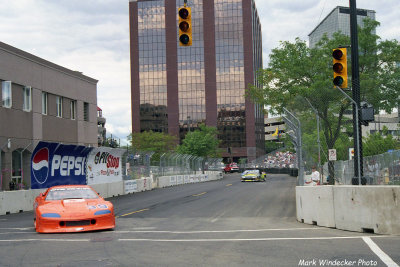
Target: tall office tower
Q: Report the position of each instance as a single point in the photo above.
(338, 20)
(175, 88)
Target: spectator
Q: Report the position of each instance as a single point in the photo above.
(315, 176)
(314, 179)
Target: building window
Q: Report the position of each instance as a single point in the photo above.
(16, 167)
(44, 103)
(59, 101)
(86, 111)
(73, 109)
(27, 105)
(6, 94)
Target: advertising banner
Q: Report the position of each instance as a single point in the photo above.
(130, 186)
(104, 165)
(58, 164)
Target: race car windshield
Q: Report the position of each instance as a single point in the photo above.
(71, 193)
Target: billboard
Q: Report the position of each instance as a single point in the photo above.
(104, 165)
(58, 164)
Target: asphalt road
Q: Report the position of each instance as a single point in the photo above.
(218, 223)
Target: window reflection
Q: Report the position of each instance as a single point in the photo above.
(191, 81)
(230, 73)
(152, 66)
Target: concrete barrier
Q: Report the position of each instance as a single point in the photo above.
(163, 181)
(179, 179)
(22, 200)
(314, 205)
(366, 208)
(18, 201)
(172, 180)
(355, 208)
(130, 186)
(115, 189)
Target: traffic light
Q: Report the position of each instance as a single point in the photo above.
(185, 26)
(340, 67)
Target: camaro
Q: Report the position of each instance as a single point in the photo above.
(72, 208)
(252, 175)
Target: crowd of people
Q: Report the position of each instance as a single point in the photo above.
(281, 159)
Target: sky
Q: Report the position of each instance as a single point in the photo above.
(92, 36)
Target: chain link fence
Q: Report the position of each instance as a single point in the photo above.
(326, 141)
(383, 169)
(140, 164)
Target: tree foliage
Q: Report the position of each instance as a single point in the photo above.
(202, 142)
(297, 72)
(379, 142)
(153, 141)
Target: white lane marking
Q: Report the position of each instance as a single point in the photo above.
(45, 240)
(222, 231)
(15, 228)
(379, 252)
(218, 217)
(7, 233)
(241, 239)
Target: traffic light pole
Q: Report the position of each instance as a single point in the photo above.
(355, 81)
(357, 136)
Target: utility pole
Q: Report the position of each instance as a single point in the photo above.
(355, 81)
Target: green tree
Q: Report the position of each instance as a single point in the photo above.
(271, 146)
(379, 142)
(153, 141)
(297, 72)
(202, 142)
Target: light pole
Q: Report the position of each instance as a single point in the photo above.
(298, 142)
(318, 140)
(357, 163)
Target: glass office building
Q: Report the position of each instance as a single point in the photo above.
(338, 20)
(176, 88)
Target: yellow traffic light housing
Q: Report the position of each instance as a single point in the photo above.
(340, 67)
(185, 26)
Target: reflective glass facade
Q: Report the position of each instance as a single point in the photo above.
(191, 75)
(177, 88)
(152, 66)
(338, 20)
(230, 73)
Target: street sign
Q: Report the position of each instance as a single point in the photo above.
(332, 154)
(351, 153)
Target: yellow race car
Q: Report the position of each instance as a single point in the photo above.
(252, 176)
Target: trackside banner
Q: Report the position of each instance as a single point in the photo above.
(58, 164)
(104, 165)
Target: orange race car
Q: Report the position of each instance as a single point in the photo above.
(72, 208)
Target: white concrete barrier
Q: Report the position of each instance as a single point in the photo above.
(115, 189)
(172, 180)
(163, 181)
(102, 189)
(140, 185)
(365, 208)
(147, 184)
(130, 186)
(314, 205)
(22, 200)
(354, 208)
(179, 179)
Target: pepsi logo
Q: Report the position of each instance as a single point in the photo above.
(40, 165)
